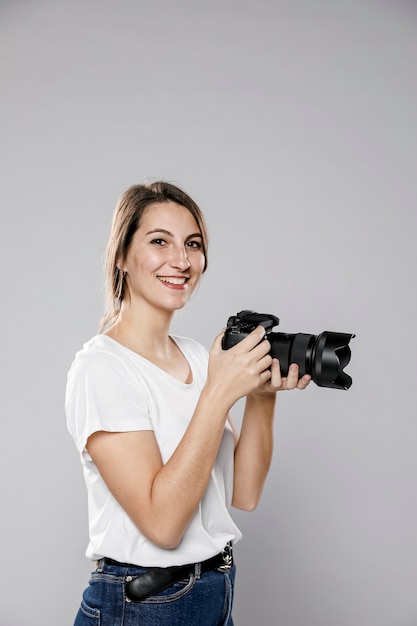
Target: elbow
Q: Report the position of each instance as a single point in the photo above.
(166, 542)
(162, 536)
(250, 506)
(245, 504)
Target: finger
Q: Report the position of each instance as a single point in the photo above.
(276, 378)
(304, 381)
(253, 339)
(264, 377)
(264, 363)
(260, 350)
(292, 376)
(217, 343)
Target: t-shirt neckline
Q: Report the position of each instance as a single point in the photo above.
(136, 355)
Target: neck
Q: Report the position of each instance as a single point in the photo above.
(144, 330)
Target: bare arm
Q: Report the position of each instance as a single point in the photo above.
(253, 452)
(161, 499)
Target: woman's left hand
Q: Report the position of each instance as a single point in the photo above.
(283, 383)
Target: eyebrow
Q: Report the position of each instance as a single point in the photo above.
(167, 232)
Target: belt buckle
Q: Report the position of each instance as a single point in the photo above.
(227, 555)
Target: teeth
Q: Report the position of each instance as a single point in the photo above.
(171, 280)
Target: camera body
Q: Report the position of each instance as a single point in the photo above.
(322, 356)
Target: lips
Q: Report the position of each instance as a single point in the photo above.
(173, 280)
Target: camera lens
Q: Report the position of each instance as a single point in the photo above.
(322, 356)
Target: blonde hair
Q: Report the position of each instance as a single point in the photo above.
(126, 221)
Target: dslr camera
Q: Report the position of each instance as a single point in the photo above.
(322, 356)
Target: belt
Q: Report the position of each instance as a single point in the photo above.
(156, 579)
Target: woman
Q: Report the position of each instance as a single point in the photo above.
(149, 414)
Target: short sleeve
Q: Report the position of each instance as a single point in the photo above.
(101, 394)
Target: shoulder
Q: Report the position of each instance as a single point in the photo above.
(103, 375)
(103, 392)
(99, 356)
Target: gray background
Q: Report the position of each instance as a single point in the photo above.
(293, 124)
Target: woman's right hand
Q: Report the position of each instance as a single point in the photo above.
(238, 371)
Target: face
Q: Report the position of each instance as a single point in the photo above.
(165, 260)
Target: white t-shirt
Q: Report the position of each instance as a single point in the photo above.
(111, 388)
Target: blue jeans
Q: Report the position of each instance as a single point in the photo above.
(200, 600)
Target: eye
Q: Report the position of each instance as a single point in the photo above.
(158, 242)
(195, 244)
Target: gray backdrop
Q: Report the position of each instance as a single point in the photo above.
(293, 124)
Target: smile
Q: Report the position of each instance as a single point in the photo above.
(172, 280)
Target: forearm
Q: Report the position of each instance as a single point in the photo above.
(180, 484)
(253, 452)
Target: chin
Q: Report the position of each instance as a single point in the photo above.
(172, 306)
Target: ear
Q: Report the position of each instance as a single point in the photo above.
(121, 266)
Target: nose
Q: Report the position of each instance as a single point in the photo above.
(179, 258)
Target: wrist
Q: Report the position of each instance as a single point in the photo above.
(215, 396)
(260, 403)
(262, 396)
